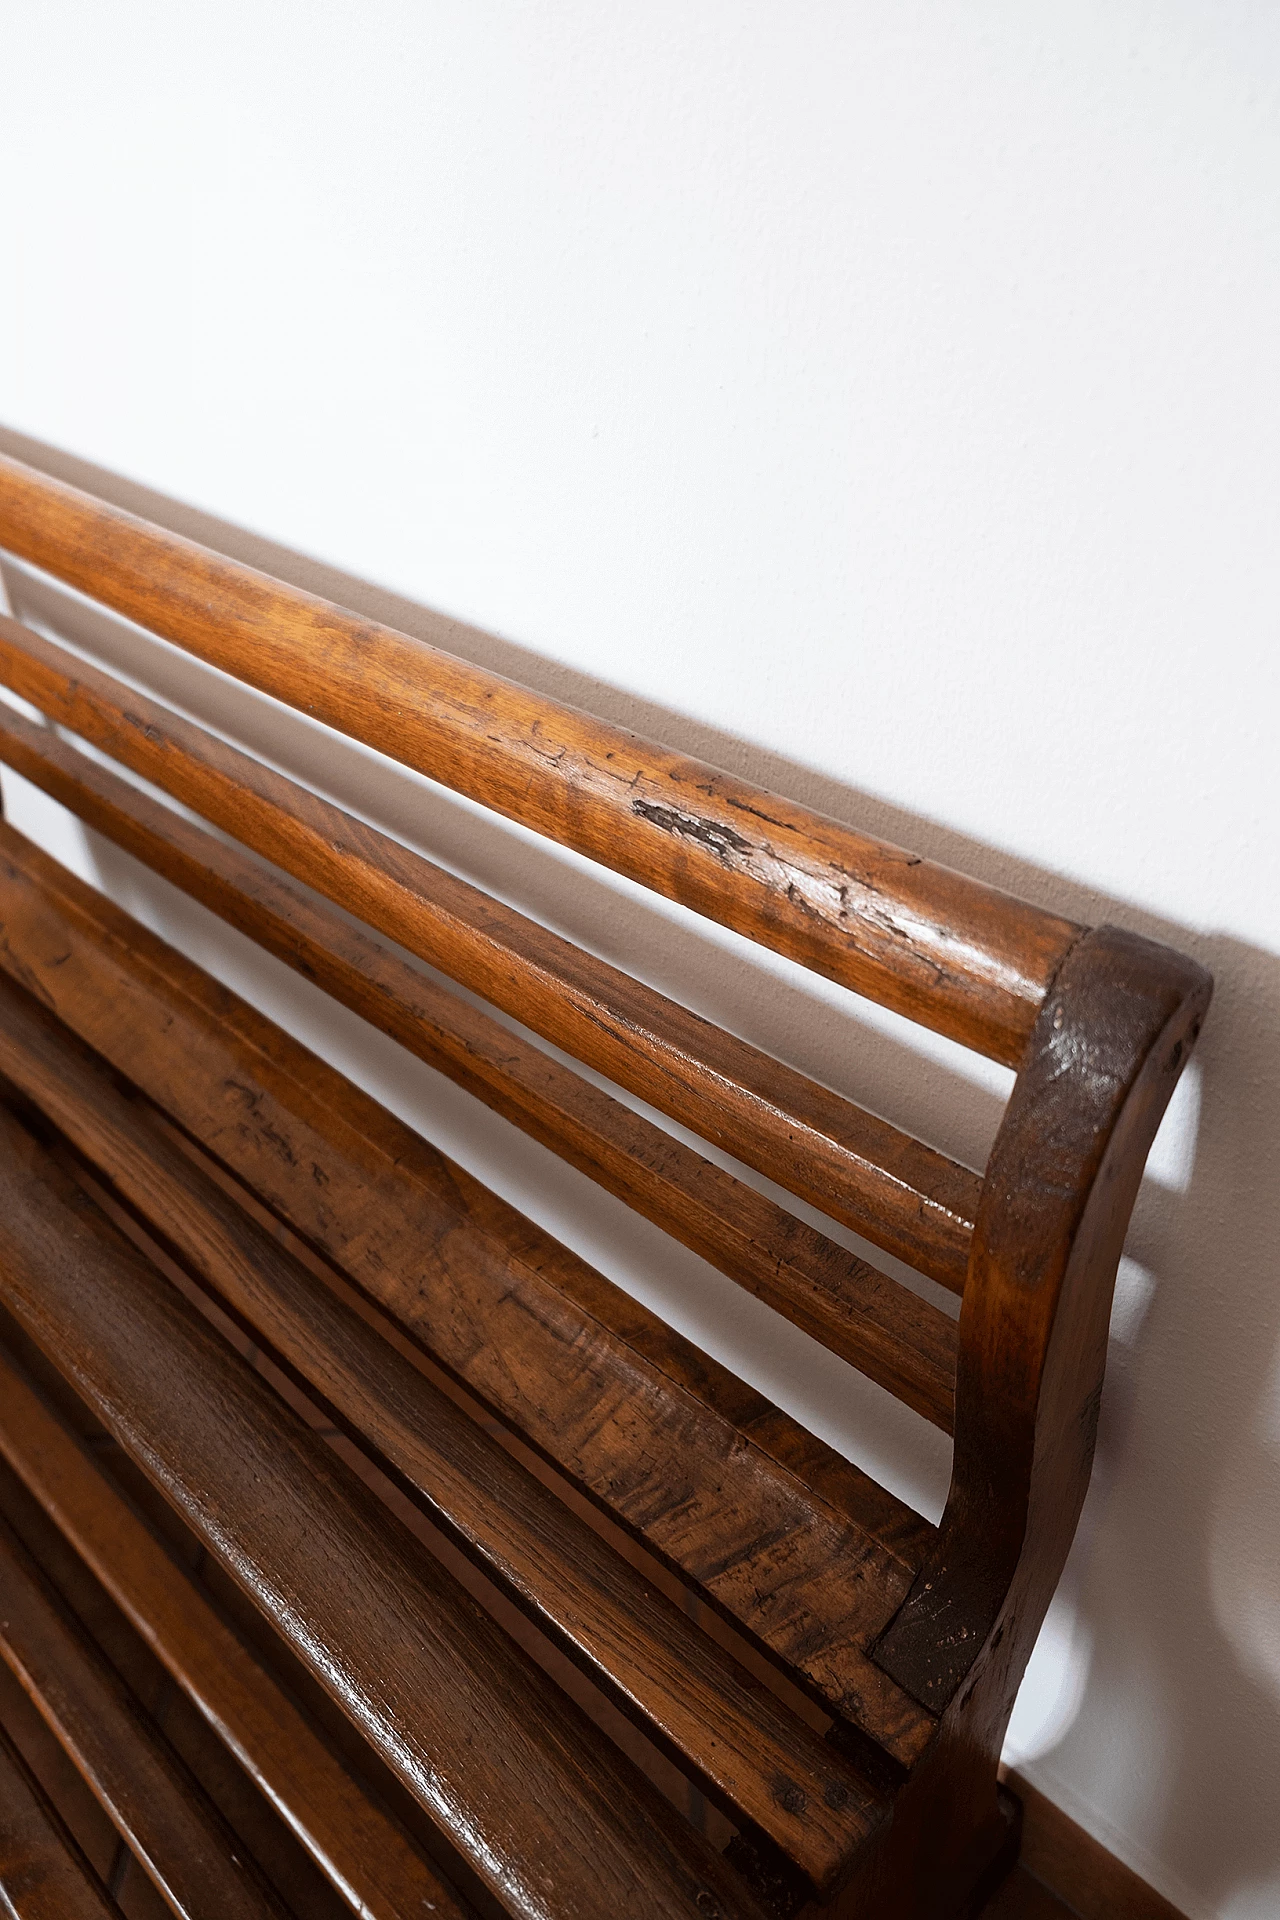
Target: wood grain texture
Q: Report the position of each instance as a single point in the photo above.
(543, 1810)
(43, 1874)
(757, 1759)
(156, 1807)
(880, 1182)
(362, 1853)
(62, 1786)
(683, 1455)
(914, 1637)
(1101, 1065)
(901, 1341)
(1111, 1041)
(947, 951)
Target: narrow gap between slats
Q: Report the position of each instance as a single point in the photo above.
(396, 1197)
(159, 1809)
(43, 1873)
(876, 1180)
(946, 950)
(655, 1573)
(700, 1731)
(131, 1571)
(177, 1396)
(888, 1331)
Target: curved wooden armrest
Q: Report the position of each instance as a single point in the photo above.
(1111, 1040)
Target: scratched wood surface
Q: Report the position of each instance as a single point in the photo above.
(762, 1763)
(908, 1640)
(546, 1813)
(946, 950)
(361, 1852)
(879, 1325)
(697, 1465)
(156, 1807)
(843, 1160)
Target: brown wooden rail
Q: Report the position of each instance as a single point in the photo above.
(43, 1874)
(732, 1735)
(869, 1175)
(469, 1726)
(187, 1852)
(169, 1156)
(880, 1326)
(362, 1853)
(714, 1479)
(946, 950)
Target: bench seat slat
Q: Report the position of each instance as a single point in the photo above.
(158, 1811)
(43, 1874)
(900, 1340)
(658, 1434)
(946, 950)
(880, 1182)
(553, 1821)
(362, 1853)
(756, 1758)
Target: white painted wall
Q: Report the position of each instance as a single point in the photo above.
(880, 400)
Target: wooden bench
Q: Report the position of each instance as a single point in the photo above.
(257, 1330)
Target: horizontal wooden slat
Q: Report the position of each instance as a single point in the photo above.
(43, 1874)
(363, 1854)
(156, 1807)
(696, 1464)
(880, 1326)
(548, 1815)
(875, 1179)
(947, 951)
(755, 1758)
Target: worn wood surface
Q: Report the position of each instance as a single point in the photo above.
(154, 1804)
(915, 1638)
(1107, 1051)
(261, 1835)
(362, 1853)
(880, 1326)
(757, 1759)
(697, 1465)
(1101, 1065)
(544, 1811)
(43, 1874)
(952, 953)
(875, 1179)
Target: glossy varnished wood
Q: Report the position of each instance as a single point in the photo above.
(154, 1804)
(914, 1638)
(902, 1341)
(759, 1761)
(1107, 1051)
(43, 1874)
(698, 1466)
(1113, 1036)
(958, 956)
(360, 1850)
(550, 1818)
(869, 1175)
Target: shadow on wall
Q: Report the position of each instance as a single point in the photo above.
(1171, 1750)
